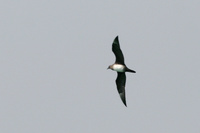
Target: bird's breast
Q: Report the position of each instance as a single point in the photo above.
(119, 68)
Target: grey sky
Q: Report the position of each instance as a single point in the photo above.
(54, 55)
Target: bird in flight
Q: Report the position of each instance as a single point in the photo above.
(121, 68)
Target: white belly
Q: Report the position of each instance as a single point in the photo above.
(118, 68)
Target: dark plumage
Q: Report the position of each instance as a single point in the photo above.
(121, 68)
(117, 51)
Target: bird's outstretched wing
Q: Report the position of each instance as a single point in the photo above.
(117, 51)
(120, 82)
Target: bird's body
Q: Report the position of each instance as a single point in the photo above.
(120, 67)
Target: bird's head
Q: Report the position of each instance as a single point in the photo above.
(109, 67)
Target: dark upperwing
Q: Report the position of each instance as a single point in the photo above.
(117, 51)
(120, 82)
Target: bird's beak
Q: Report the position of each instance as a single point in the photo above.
(108, 68)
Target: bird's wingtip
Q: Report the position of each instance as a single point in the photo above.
(122, 95)
(116, 40)
(125, 104)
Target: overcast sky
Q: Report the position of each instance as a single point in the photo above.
(54, 56)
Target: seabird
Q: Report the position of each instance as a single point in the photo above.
(121, 68)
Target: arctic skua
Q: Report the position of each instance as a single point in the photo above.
(121, 68)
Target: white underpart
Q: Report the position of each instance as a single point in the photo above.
(118, 68)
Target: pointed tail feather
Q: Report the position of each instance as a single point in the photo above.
(129, 70)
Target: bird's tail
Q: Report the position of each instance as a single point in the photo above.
(129, 70)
